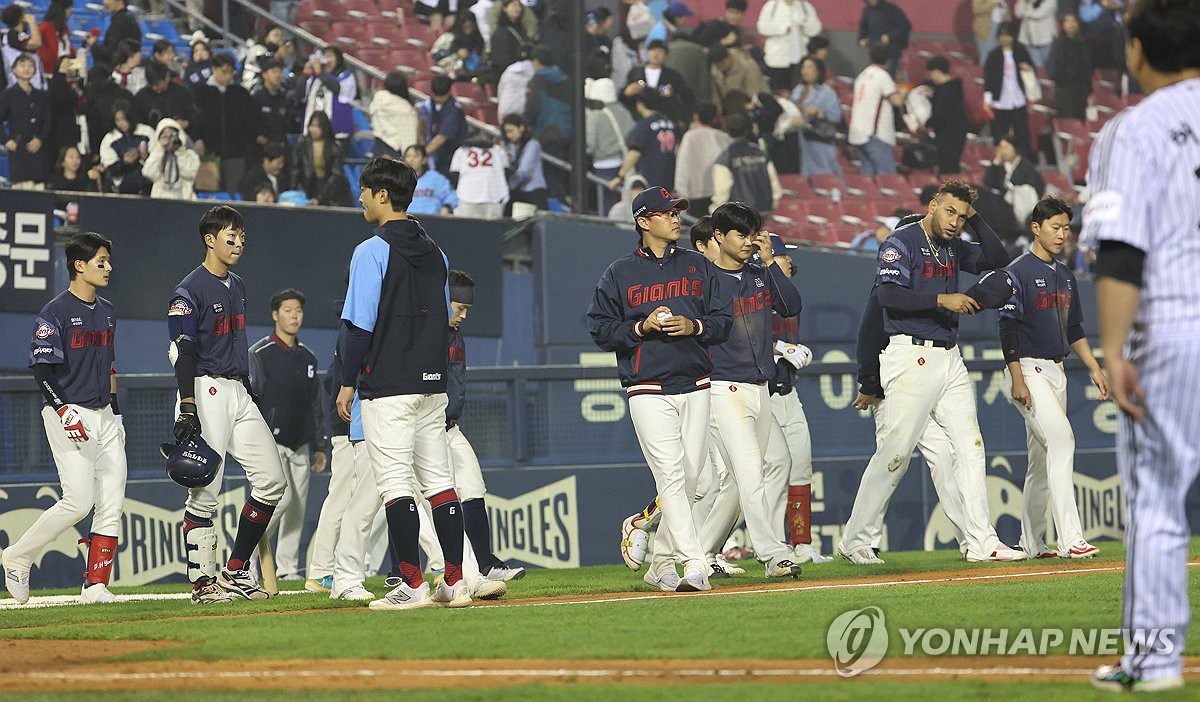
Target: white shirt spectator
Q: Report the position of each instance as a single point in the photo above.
(510, 91)
(787, 25)
(871, 114)
(1011, 96)
(1038, 25)
(394, 120)
(481, 179)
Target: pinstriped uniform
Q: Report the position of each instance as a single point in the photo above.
(1144, 180)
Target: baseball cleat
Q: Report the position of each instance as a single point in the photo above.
(1047, 554)
(667, 582)
(782, 567)
(693, 581)
(805, 553)
(1001, 554)
(488, 589)
(393, 580)
(453, 596)
(727, 566)
(500, 571)
(1113, 678)
(96, 594)
(207, 591)
(354, 593)
(717, 572)
(1081, 549)
(404, 597)
(635, 542)
(240, 583)
(862, 556)
(16, 581)
(324, 584)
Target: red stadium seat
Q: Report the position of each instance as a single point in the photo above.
(822, 211)
(894, 185)
(1062, 183)
(859, 212)
(795, 183)
(488, 113)
(859, 185)
(825, 183)
(927, 48)
(471, 91)
(386, 33)
(373, 56)
(412, 57)
(973, 97)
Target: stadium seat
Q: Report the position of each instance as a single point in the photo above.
(161, 26)
(376, 56)
(471, 91)
(859, 185)
(859, 211)
(386, 34)
(795, 183)
(825, 183)
(894, 185)
(1062, 183)
(413, 57)
(822, 211)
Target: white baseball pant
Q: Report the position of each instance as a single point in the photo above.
(231, 424)
(740, 427)
(349, 568)
(1049, 480)
(673, 433)
(405, 440)
(920, 383)
(91, 473)
(789, 455)
(333, 509)
(468, 483)
(288, 518)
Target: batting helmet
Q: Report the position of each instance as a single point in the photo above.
(191, 464)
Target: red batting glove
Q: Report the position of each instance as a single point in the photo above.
(72, 423)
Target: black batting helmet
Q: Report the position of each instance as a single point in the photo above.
(191, 464)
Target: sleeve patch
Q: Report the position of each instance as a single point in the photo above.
(43, 331)
(1104, 207)
(179, 308)
(890, 256)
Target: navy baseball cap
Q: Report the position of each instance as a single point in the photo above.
(777, 246)
(655, 199)
(679, 9)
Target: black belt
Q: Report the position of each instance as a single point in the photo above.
(934, 343)
(1052, 360)
(239, 378)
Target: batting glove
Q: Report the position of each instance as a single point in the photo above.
(187, 424)
(72, 423)
(796, 354)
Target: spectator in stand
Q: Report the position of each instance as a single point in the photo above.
(702, 143)
(172, 163)
(55, 35)
(788, 26)
(947, 115)
(513, 87)
(597, 45)
(625, 57)
(122, 25)
(275, 106)
(164, 54)
(70, 174)
(123, 152)
(1014, 178)
(884, 24)
(433, 195)
(127, 67)
(818, 47)
(1038, 27)
(440, 14)
(163, 97)
(445, 124)
(393, 117)
(228, 123)
(21, 35)
(988, 16)
(270, 170)
(715, 30)
(459, 52)
(1102, 25)
(622, 210)
(548, 109)
(639, 20)
(269, 38)
(742, 172)
(1070, 67)
(482, 187)
(1003, 89)
(555, 31)
(689, 60)
(199, 67)
(668, 23)
(331, 89)
(64, 97)
(816, 101)
(872, 123)
(732, 69)
(511, 40)
(25, 124)
(651, 144)
(264, 194)
(607, 122)
(526, 179)
(676, 99)
(317, 164)
(100, 96)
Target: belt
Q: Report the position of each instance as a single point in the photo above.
(933, 343)
(239, 378)
(1058, 359)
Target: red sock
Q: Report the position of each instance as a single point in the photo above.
(799, 514)
(102, 551)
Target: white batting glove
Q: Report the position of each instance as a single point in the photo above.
(798, 355)
(72, 423)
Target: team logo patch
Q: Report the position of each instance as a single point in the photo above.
(691, 269)
(1038, 369)
(77, 321)
(758, 282)
(890, 256)
(212, 391)
(1040, 282)
(179, 308)
(218, 308)
(43, 331)
(921, 361)
(732, 388)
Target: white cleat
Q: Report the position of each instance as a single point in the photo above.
(1001, 554)
(635, 542)
(1081, 549)
(693, 581)
(805, 553)
(667, 582)
(453, 596)
(96, 594)
(405, 597)
(728, 567)
(16, 581)
(862, 556)
(502, 572)
(354, 593)
(782, 567)
(488, 589)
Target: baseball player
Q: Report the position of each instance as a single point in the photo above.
(283, 381)
(206, 319)
(341, 472)
(922, 371)
(394, 337)
(71, 355)
(661, 308)
(1041, 324)
(1142, 221)
(741, 408)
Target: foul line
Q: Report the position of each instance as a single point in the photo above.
(45, 601)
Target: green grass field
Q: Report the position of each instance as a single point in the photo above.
(775, 626)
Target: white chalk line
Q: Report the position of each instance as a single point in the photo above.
(44, 601)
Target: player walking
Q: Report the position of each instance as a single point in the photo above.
(1039, 327)
(394, 336)
(206, 319)
(71, 355)
(660, 308)
(922, 371)
(1142, 219)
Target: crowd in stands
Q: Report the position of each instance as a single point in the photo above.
(732, 107)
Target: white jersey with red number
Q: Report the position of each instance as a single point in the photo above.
(481, 177)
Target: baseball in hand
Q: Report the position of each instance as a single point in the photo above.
(663, 317)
